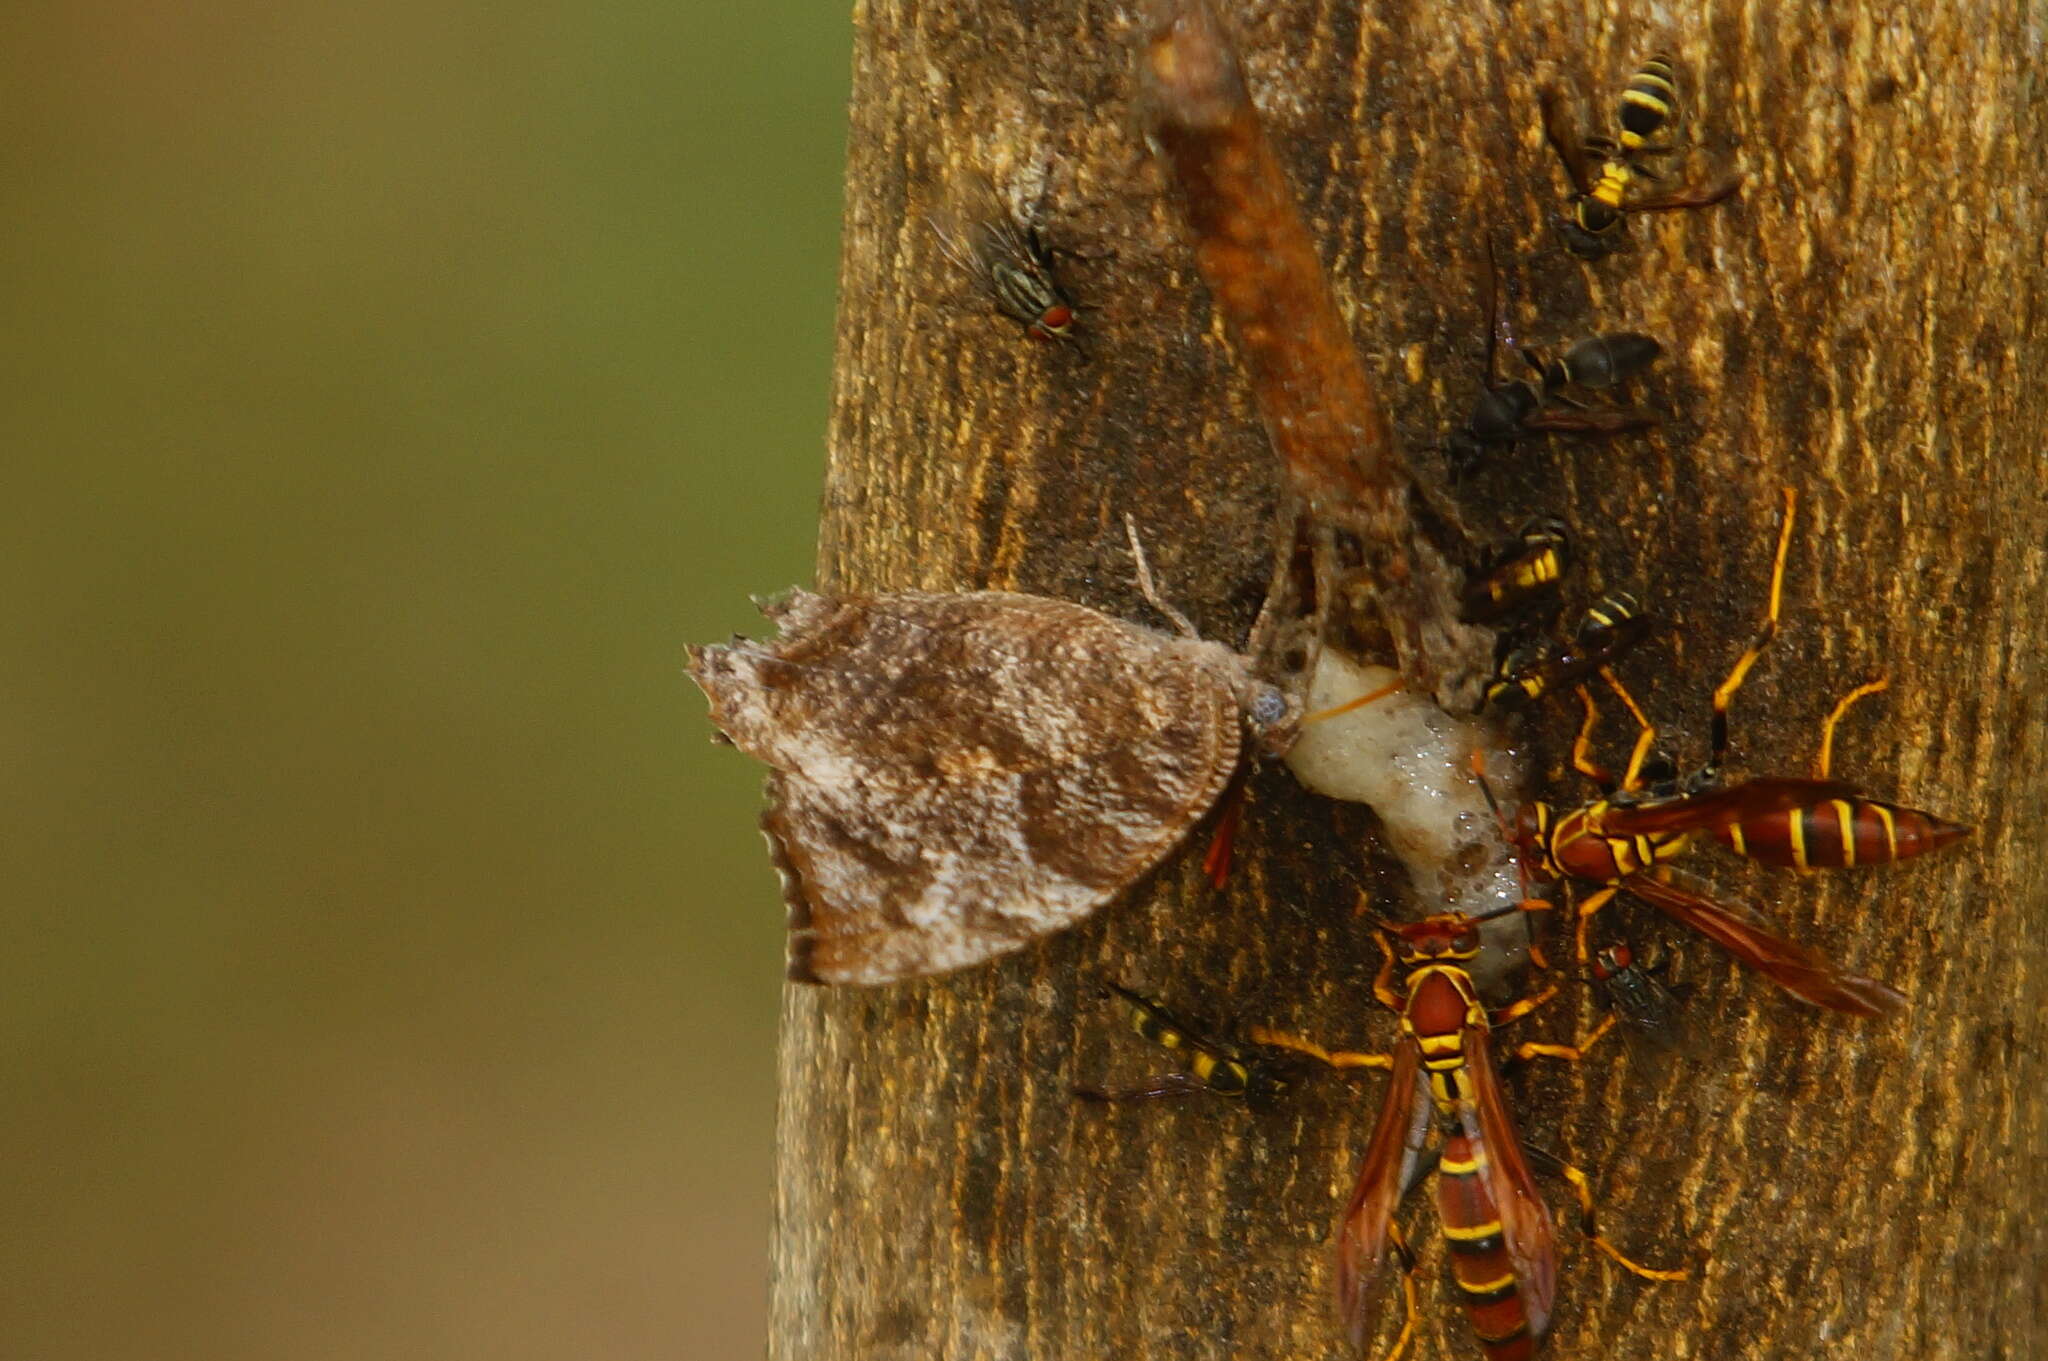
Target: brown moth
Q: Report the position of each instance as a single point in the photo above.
(954, 776)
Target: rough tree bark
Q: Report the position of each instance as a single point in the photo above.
(1864, 323)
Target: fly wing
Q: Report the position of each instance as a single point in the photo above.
(1796, 969)
(971, 209)
(1524, 1218)
(1721, 807)
(978, 231)
(1382, 1177)
(977, 200)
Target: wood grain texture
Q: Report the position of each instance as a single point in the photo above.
(1865, 321)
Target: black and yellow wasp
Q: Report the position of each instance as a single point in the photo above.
(1208, 1064)
(1606, 171)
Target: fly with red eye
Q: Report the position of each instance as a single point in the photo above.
(980, 234)
(1497, 1228)
(1646, 1009)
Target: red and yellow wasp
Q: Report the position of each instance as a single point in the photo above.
(1622, 840)
(1502, 1246)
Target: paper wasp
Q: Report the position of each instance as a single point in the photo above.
(978, 232)
(1502, 1248)
(1621, 840)
(1604, 170)
(1209, 1065)
(1601, 361)
(1610, 628)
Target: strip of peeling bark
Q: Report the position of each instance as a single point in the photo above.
(1326, 422)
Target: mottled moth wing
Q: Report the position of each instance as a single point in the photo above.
(954, 776)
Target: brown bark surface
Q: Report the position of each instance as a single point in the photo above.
(1863, 322)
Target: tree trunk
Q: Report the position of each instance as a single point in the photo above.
(1863, 322)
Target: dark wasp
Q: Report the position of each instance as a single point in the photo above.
(1506, 412)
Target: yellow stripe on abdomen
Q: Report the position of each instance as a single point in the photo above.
(1845, 818)
(1457, 1168)
(1473, 1233)
(1500, 1285)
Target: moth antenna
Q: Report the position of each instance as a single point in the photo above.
(1146, 586)
(1493, 317)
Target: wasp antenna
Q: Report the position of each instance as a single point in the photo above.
(1478, 764)
(1374, 919)
(1492, 313)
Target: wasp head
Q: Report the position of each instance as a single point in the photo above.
(1450, 935)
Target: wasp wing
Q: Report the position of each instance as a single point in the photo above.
(1796, 969)
(1524, 1219)
(1721, 807)
(1383, 1175)
(1561, 127)
(1686, 198)
(1593, 420)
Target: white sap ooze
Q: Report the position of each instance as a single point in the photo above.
(1412, 764)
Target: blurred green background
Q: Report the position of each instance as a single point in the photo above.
(390, 393)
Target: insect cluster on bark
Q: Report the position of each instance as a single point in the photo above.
(954, 776)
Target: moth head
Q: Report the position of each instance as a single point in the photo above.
(1271, 715)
